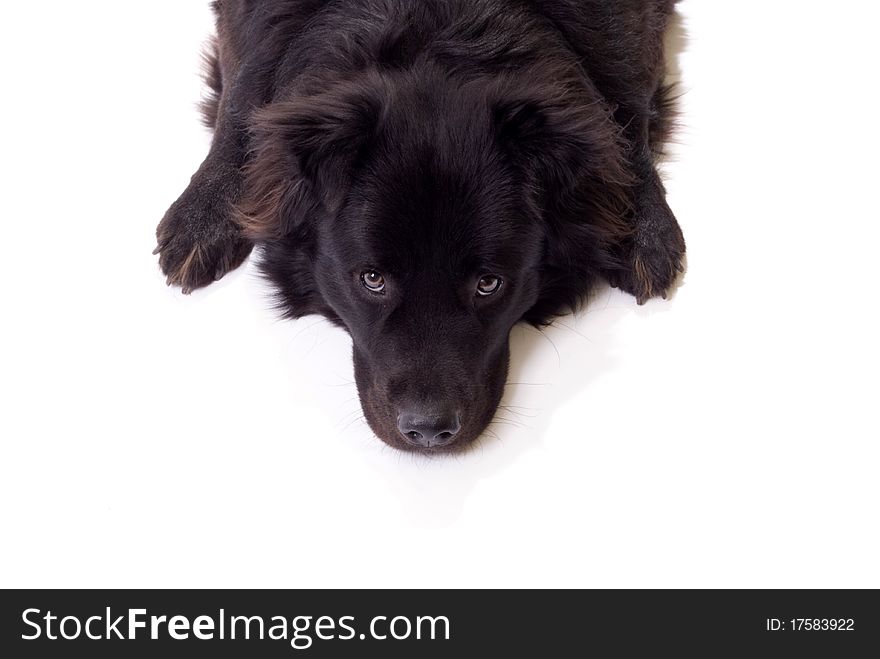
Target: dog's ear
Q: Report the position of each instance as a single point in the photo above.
(568, 147)
(303, 154)
(572, 159)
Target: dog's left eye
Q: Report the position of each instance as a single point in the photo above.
(373, 281)
(488, 285)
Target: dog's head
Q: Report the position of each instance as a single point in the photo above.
(427, 218)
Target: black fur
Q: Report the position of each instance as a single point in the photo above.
(433, 142)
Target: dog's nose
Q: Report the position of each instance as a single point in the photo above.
(429, 429)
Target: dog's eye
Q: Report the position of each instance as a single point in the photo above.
(488, 285)
(373, 281)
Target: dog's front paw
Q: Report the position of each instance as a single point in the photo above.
(653, 258)
(198, 240)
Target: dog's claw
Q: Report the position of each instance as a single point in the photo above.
(161, 244)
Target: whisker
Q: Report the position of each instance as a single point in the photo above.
(352, 422)
(558, 356)
(573, 330)
(493, 434)
(508, 422)
(349, 401)
(347, 383)
(511, 408)
(304, 329)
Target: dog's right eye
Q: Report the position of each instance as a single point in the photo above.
(488, 285)
(373, 281)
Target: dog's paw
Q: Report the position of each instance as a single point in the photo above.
(653, 258)
(198, 240)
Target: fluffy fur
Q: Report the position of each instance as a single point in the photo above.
(434, 143)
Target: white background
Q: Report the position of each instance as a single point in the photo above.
(725, 438)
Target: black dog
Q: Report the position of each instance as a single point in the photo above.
(427, 173)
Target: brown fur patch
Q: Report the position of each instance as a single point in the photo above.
(644, 279)
(664, 118)
(183, 276)
(268, 179)
(213, 77)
